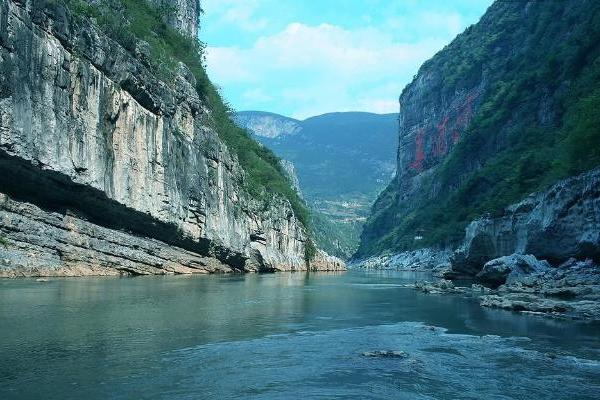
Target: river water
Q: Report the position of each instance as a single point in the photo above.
(280, 336)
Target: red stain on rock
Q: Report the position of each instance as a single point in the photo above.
(455, 137)
(460, 116)
(464, 117)
(417, 164)
(441, 146)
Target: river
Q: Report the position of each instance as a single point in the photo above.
(280, 336)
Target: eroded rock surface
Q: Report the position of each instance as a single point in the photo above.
(417, 260)
(555, 225)
(86, 129)
(509, 269)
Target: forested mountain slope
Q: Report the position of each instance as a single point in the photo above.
(343, 161)
(509, 108)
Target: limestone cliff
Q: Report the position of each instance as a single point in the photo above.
(105, 167)
(509, 108)
(560, 223)
(183, 15)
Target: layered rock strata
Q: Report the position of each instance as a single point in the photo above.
(91, 139)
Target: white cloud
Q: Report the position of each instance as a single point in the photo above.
(256, 96)
(323, 67)
(241, 13)
(324, 49)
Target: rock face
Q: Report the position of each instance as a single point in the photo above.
(483, 123)
(325, 262)
(556, 224)
(92, 142)
(569, 290)
(417, 260)
(268, 125)
(184, 15)
(46, 243)
(508, 269)
(290, 171)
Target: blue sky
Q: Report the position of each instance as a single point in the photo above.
(302, 58)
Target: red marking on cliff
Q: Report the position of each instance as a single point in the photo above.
(441, 147)
(455, 137)
(417, 164)
(464, 117)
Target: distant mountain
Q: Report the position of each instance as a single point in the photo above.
(343, 161)
(268, 125)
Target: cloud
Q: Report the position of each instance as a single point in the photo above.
(302, 58)
(240, 13)
(322, 49)
(257, 95)
(322, 67)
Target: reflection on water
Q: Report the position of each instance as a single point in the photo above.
(278, 336)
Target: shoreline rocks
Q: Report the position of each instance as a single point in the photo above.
(557, 224)
(570, 291)
(509, 269)
(418, 260)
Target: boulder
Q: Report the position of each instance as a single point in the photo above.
(508, 269)
(385, 354)
(443, 271)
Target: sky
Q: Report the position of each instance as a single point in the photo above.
(302, 58)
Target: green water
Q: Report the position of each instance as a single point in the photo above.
(282, 336)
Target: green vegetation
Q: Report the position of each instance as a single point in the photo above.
(538, 123)
(3, 242)
(343, 161)
(336, 237)
(127, 22)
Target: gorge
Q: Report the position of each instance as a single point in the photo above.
(116, 148)
(342, 161)
(155, 243)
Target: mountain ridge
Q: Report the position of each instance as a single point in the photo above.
(355, 150)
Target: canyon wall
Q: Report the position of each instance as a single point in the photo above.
(557, 224)
(507, 109)
(95, 146)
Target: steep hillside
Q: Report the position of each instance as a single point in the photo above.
(117, 155)
(343, 161)
(510, 107)
(268, 125)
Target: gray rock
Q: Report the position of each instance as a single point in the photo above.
(418, 260)
(325, 262)
(559, 224)
(438, 287)
(510, 268)
(290, 171)
(475, 288)
(522, 302)
(443, 271)
(268, 125)
(115, 147)
(386, 354)
(572, 292)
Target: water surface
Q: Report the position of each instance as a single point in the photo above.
(281, 336)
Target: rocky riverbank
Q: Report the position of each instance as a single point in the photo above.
(525, 284)
(540, 255)
(417, 260)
